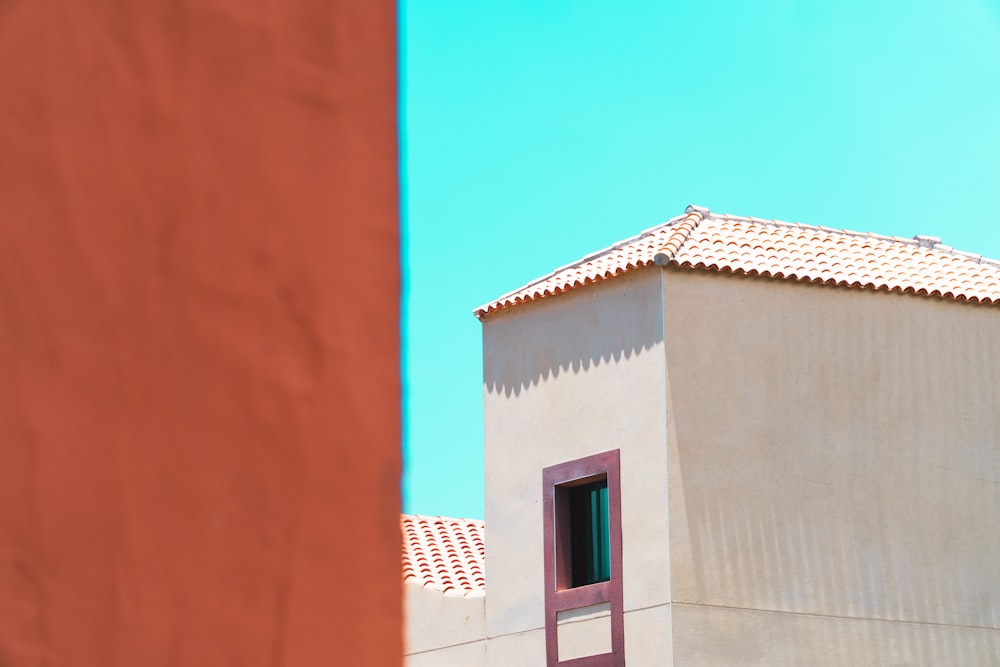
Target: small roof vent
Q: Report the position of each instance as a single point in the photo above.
(927, 241)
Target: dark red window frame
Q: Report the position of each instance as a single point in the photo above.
(559, 596)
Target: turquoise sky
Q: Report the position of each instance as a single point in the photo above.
(533, 133)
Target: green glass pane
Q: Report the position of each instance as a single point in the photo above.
(600, 535)
(604, 539)
(591, 534)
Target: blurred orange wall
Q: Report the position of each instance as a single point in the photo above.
(199, 370)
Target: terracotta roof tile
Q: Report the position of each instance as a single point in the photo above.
(444, 554)
(702, 240)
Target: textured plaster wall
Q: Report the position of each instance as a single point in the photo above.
(834, 474)
(199, 393)
(648, 639)
(567, 377)
(460, 655)
(584, 631)
(435, 620)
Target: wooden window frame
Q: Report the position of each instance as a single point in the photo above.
(559, 596)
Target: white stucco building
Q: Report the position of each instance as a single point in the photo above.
(731, 441)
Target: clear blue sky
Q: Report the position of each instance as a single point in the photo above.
(535, 132)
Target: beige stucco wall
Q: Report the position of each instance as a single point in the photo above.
(442, 629)
(584, 631)
(567, 377)
(828, 458)
(460, 655)
(834, 474)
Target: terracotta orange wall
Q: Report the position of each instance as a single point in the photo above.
(199, 379)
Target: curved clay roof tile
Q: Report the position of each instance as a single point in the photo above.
(703, 241)
(444, 554)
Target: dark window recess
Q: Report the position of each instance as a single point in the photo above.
(591, 535)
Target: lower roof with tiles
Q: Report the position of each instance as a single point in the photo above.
(700, 239)
(444, 554)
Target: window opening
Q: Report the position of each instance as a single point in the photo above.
(590, 555)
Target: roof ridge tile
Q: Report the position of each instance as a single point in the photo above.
(679, 236)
